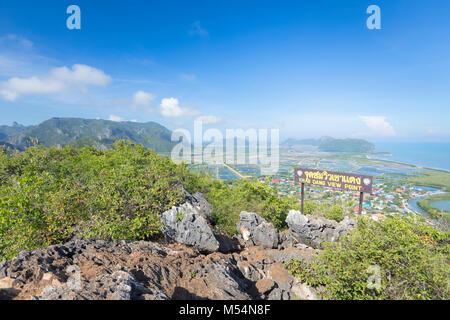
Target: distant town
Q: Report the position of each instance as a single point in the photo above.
(394, 188)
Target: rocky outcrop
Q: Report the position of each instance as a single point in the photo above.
(120, 285)
(201, 205)
(256, 231)
(196, 262)
(190, 223)
(123, 270)
(183, 224)
(312, 231)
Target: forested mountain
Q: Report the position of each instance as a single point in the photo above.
(329, 144)
(81, 132)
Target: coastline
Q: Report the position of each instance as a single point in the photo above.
(408, 164)
(430, 194)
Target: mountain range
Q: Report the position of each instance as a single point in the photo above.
(82, 132)
(101, 134)
(329, 144)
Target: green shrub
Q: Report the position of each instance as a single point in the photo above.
(411, 255)
(48, 195)
(246, 195)
(331, 212)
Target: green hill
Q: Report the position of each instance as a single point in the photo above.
(329, 144)
(78, 132)
(8, 132)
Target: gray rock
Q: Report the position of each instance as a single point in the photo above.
(201, 205)
(302, 291)
(275, 294)
(249, 271)
(55, 293)
(278, 294)
(227, 244)
(120, 285)
(287, 240)
(312, 231)
(256, 231)
(3, 267)
(184, 224)
(228, 284)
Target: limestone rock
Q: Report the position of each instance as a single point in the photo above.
(302, 291)
(256, 231)
(184, 224)
(312, 231)
(264, 286)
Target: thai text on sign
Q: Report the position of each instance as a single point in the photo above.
(336, 180)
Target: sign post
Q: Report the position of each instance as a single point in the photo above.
(336, 180)
(361, 196)
(303, 195)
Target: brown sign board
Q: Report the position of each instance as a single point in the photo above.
(336, 180)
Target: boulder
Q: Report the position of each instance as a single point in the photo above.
(264, 286)
(312, 231)
(185, 224)
(278, 274)
(199, 203)
(302, 291)
(249, 271)
(256, 231)
(227, 244)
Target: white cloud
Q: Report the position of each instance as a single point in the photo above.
(170, 108)
(378, 125)
(17, 40)
(115, 118)
(196, 29)
(142, 99)
(58, 80)
(209, 119)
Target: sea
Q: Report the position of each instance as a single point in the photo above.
(434, 155)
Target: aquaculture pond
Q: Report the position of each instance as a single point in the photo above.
(443, 205)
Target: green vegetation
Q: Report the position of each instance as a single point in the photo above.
(346, 145)
(7, 132)
(435, 178)
(48, 195)
(426, 205)
(228, 201)
(412, 258)
(329, 144)
(331, 212)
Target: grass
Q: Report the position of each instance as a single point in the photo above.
(435, 178)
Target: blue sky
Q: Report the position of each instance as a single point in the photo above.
(309, 68)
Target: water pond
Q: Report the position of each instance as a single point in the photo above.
(443, 205)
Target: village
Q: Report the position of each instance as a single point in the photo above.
(387, 198)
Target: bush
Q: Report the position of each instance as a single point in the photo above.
(47, 195)
(410, 255)
(247, 195)
(330, 212)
